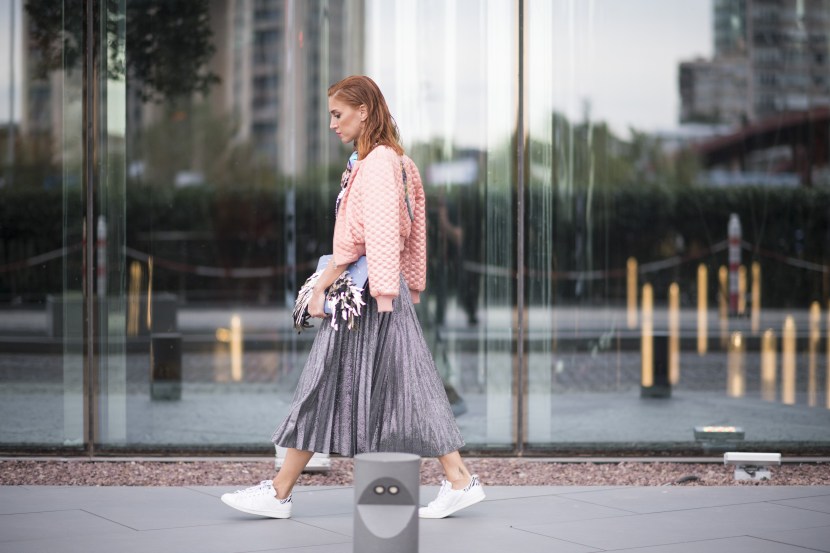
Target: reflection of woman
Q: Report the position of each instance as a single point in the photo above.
(374, 388)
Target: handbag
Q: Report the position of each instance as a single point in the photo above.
(344, 298)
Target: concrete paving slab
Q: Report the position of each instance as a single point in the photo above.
(13, 495)
(332, 548)
(680, 526)
(496, 493)
(108, 501)
(160, 508)
(505, 512)
(467, 534)
(35, 527)
(539, 510)
(235, 536)
(742, 544)
(528, 520)
(817, 539)
(667, 498)
(820, 503)
(341, 524)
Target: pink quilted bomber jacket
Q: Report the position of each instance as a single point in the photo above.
(373, 221)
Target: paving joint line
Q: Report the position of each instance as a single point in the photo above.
(39, 512)
(805, 548)
(775, 502)
(324, 529)
(597, 549)
(110, 520)
(702, 540)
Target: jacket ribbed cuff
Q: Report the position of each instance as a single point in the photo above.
(384, 303)
(416, 296)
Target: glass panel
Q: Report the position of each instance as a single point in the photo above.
(216, 200)
(677, 223)
(217, 194)
(42, 203)
(110, 231)
(445, 69)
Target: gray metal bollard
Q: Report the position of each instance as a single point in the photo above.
(386, 491)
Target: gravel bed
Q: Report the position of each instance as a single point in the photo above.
(493, 471)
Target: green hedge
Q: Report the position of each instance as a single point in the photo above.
(244, 227)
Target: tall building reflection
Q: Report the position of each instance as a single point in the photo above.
(278, 62)
(273, 61)
(769, 83)
(770, 56)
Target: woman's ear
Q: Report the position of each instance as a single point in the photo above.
(363, 112)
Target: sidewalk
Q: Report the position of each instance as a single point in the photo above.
(768, 519)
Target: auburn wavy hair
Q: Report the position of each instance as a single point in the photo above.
(380, 128)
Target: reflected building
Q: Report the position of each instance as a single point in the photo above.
(771, 56)
(789, 55)
(42, 99)
(714, 91)
(256, 53)
(730, 28)
(259, 52)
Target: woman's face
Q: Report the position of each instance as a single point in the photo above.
(346, 121)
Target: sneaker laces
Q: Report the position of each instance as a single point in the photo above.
(265, 485)
(446, 487)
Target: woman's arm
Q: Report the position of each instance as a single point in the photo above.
(316, 305)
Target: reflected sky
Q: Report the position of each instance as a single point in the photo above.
(625, 57)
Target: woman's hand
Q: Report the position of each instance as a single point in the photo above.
(316, 304)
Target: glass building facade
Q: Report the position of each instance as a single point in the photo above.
(628, 216)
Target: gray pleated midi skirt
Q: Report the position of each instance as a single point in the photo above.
(373, 388)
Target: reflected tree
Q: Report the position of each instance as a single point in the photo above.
(170, 42)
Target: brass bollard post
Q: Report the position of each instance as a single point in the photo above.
(702, 309)
(812, 352)
(735, 375)
(674, 333)
(756, 297)
(236, 348)
(742, 290)
(768, 366)
(647, 331)
(723, 305)
(631, 291)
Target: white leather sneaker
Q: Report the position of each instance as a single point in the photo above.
(450, 500)
(259, 500)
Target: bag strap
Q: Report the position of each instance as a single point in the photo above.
(406, 193)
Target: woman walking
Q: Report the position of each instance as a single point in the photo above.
(373, 388)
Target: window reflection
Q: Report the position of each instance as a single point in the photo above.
(456, 121)
(692, 153)
(677, 147)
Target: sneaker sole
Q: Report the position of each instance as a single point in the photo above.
(269, 514)
(471, 500)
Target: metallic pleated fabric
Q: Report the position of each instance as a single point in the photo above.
(374, 388)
